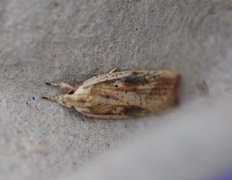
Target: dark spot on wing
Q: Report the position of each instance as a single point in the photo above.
(136, 79)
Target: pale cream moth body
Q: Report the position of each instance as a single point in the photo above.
(124, 94)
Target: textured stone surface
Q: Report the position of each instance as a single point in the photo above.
(70, 41)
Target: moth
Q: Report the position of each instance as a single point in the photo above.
(124, 94)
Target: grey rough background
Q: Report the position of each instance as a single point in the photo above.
(70, 41)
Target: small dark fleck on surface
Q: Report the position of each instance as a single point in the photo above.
(56, 4)
(74, 163)
(126, 125)
(33, 98)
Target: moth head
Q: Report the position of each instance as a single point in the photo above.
(65, 100)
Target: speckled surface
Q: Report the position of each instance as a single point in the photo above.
(70, 41)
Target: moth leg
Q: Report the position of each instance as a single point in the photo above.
(59, 100)
(113, 70)
(65, 87)
(55, 100)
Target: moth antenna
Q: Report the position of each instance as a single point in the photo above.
(50, 99)
(48, 83)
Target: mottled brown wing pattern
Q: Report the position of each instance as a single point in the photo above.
(137, 94)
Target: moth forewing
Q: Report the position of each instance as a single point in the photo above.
(125, 94)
